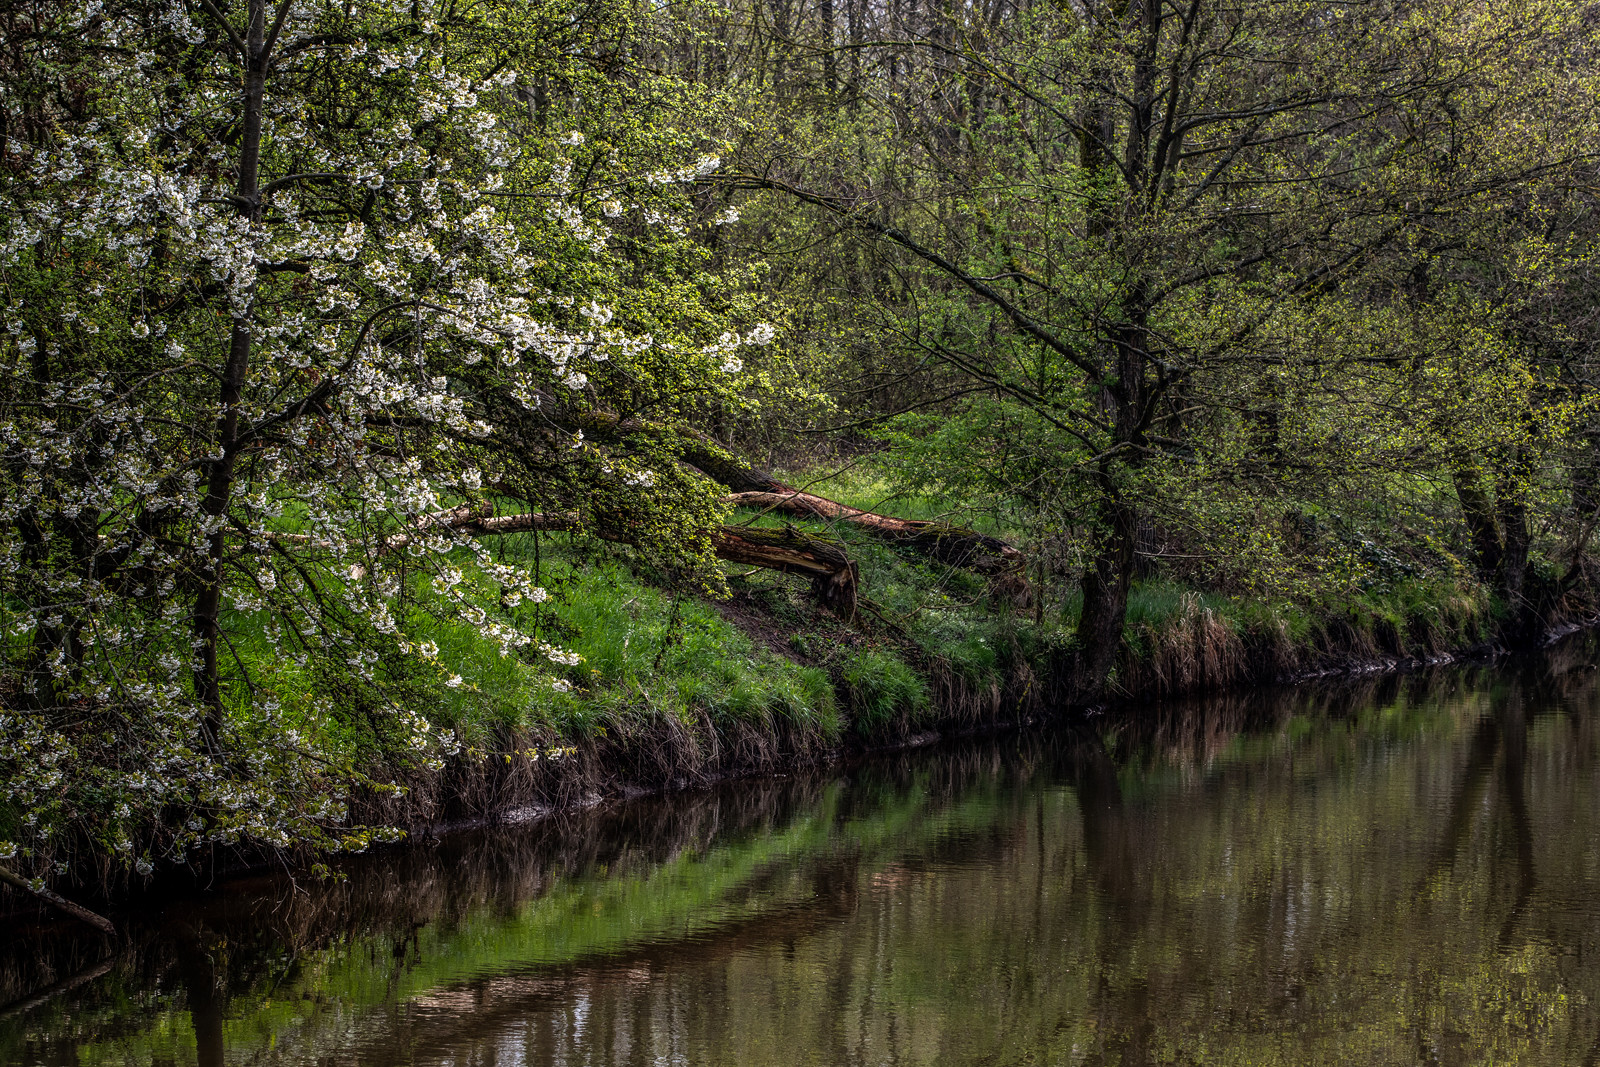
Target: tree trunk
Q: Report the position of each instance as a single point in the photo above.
(1512, 572)
(1109, 576)
(830, 68)
(1106, 582)
(1585, 475)
(1525, 600)
(835, 579)
(1477, 511)
(220, 475)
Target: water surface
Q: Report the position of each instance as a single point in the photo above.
(1402, 871)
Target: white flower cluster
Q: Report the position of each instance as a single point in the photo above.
(724, 347)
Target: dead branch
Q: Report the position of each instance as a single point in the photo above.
(57, 901)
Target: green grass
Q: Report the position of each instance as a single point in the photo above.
(652, 653)
(934, 613)
(657, 655)
(883, 686)
(647, 653)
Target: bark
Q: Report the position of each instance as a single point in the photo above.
(751, 486)
(835, 580)
(235, 372)
(1524, 598)
(1585, 475)
(1106, 581)
(1109, 575)
(830, 73)
(1511, 511)
(1477, 511)
(1499, 532)
(60, 903)
(1513, 570)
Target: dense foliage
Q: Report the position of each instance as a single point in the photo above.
(1231, 284)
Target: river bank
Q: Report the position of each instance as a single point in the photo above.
(688, 690)
(892, 691)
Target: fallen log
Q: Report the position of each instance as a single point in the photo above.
(749, 485)
(57, 901)
(955, 545)
(835, 579)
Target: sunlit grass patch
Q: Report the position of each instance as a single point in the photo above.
(883, 686)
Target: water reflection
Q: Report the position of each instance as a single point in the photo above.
(1404, 871)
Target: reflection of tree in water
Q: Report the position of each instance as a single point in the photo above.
(1464, 933)
(202, 963)
(232, 948)
(1127, 851)
(1498, 753)
(1112, 845)
(210, 948)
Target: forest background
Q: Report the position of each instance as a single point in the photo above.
(413, 410)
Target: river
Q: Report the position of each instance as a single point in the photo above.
(1404, 870)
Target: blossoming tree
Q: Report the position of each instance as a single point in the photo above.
(287, 290)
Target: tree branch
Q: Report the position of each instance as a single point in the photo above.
(57, 901)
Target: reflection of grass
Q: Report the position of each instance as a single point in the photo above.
(599, 915)
(1168, 918)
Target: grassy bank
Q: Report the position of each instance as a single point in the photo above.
(677, 684)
